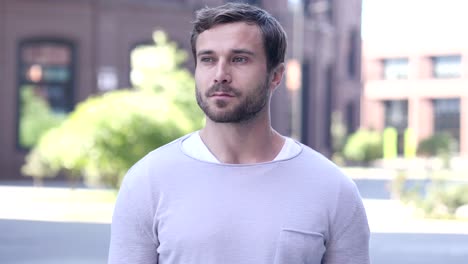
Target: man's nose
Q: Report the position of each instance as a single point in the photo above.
(223, 73)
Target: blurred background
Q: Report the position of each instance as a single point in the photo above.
(88, 87)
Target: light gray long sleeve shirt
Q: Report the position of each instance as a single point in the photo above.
(174, 209)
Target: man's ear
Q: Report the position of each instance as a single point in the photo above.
(276, 76)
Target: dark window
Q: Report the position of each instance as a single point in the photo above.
(350, 118)
(45, 86)
(353, 55)
(396, 114)
(252, 2)
(306, 106)
(394, 69)
(315, 8)
(446, 67)
(308, 8)
(328, 107)
(447, 117)
(329, 10)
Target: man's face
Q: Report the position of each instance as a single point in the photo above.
(232, 84)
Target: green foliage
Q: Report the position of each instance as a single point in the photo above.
(107, 134)
(390, 143)
(436, 145)
(443, 199)
(434, 198)
(410, 143)
(363, 146)
(158, 68)
(36, 117)
(338, 132)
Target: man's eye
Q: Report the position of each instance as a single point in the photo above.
(206, 59)
(239, 59)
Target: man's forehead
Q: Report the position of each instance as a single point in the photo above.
(238, 35)
(228, 31)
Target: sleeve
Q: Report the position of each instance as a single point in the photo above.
(349, 230)
(132, 237)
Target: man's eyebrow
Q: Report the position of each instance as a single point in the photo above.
(204, 52)
(243, 51)
(235, 51)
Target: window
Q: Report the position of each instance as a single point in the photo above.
(350, 118)
(353, 54)
(447, 117)
(315, 8)
(307, 121)
(252, 2)
(394, 69)
(45, 87)
(446, 66)
(396, 114)
(329, 95)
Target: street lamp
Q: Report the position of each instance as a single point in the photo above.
(294, 68)
(294, 65)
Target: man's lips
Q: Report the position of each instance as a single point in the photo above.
(221, 94)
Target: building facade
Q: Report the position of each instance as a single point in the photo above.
(68, 50)
(420, 85)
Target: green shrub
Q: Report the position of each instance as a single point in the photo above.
(442, 199)
(435, 198)
(36, 117)
(106, 134)
(363, 146)
(390, 143)
(410, 142)
(436, 145)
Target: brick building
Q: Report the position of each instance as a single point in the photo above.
(71, 49)
(419, 83)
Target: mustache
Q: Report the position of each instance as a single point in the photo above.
(223, 88)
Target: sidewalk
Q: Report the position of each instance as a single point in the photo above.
(65, 205)
(391, 216)
(56, 204)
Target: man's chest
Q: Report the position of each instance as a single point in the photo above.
(251, 227)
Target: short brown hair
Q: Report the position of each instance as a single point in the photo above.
(274, 36)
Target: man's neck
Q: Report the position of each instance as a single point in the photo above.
(242, 143)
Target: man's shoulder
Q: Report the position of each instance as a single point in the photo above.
(322, 167)
(157, 161)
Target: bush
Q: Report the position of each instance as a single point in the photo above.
(433, 198)
(106, 134)
(442, 200)
(363, 146)
(436, 145)
(36, 117)
(447, 196)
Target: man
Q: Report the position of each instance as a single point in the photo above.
(237, 191)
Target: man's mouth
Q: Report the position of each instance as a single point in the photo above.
(222, 94)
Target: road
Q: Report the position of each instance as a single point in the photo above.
(35, 242)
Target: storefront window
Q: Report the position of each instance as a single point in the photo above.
(45, 87)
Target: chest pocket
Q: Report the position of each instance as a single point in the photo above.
(298, 247)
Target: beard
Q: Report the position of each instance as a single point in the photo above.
(224, 112)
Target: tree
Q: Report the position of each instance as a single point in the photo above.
(36, 117)
(106, 134)
(363, 146)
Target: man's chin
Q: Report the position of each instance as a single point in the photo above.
(223, 118)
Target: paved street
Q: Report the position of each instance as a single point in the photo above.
(34, 242)
(408, 248)
(48, 235)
